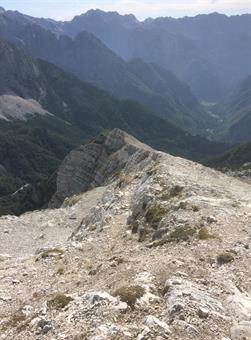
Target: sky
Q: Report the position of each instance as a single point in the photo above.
(67, 9)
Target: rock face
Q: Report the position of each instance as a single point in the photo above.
(97, 163)
(160, 251)
(17, 108)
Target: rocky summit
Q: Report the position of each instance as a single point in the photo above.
(135, 244)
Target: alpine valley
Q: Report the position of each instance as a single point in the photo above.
(125, 173)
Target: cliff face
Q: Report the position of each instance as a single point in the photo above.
(97, 163)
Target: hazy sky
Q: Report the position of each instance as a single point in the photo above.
(66, 9)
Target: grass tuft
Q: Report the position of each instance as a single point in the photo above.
(59, 301)
(204, 234)
(224, 258)
(129, 294)
(154, 215)
(181, 234)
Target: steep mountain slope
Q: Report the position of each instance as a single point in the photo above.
(236, 162)
(32, 143)
(160, 251)
(238, 103)
(236, 111)
(210, 52)
(173, 96)
(89, 59)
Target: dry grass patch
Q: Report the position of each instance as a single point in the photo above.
(59, 301)
(181, 234)
(129, 294)
(154, 215)
(224, 258)
(204, 234)
(53, 252)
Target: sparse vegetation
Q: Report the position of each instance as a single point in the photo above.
(176, 191)
(17, 320)
(181, 234)
(60, 271)
(204, 234)
(168, 194)
(53, 252)
(129, 294)
(224, 258)
(183, 205)
(70, 201)
(154, 215)
(195, 208)
(124, 180)
(59, 301)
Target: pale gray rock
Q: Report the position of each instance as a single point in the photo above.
(96, 163)
(183, 288)
(241, 331)
(152, 322)
(203, 313)
(183, 296)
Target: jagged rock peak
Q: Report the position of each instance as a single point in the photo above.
(2, 10)
(95, 163)
(113, 14)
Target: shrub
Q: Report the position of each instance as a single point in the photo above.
(181, 234)
(59, 301)
(60, 271)
(204, 234)
(224, 258)
(129, 294)
(51, 253)
(17, 320)
(183, 205)
(175, 191)
(70, 201)
(154, 215)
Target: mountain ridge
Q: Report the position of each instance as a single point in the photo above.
(89, 59)
(197, 38)
(31, 150)
(161, 246)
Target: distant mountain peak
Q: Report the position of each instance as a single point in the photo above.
(98, 13)
(2, 9)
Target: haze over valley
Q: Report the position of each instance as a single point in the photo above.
(125, 171)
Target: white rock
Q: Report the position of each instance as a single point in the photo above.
(203, 313)
(95, 297)
(239, 303)
(152, 322)
(241, 331)
(4, 257)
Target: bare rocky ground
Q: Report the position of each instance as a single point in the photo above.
(161, 251)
